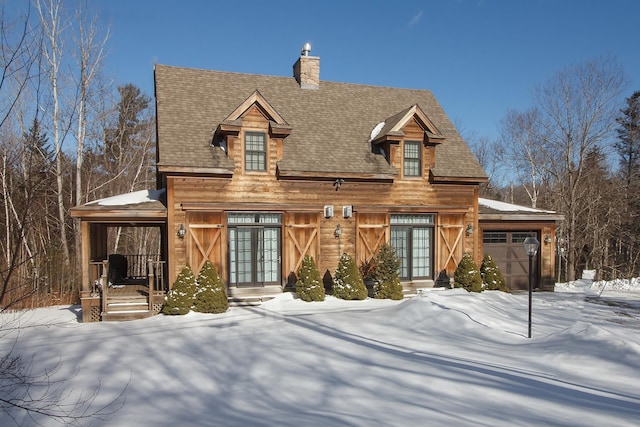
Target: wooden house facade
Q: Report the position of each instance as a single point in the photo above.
(260, 171)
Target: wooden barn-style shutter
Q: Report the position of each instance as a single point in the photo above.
(205, 240)
(301, 238)
(451, 244)
(373, 231)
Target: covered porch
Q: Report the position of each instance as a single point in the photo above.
(124, 269)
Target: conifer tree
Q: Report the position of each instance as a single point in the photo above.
(347, 281)
(467, 275)
(387, 264)
(492, 278)
(180, 299)
(309, 286)
(211, 295)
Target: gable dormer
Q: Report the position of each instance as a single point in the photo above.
(251, 132)
(407, 140)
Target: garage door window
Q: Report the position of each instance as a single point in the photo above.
(494, 237)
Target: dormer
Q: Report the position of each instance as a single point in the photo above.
(251, 132)
(407, 141)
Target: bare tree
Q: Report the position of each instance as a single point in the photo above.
(487, 153)
(53, 24)
(576, 113)
(521, 150)
(91, 45)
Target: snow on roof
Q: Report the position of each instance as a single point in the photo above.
(508, 207)
(134, 198)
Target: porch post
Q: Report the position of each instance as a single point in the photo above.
(151, 284)
(85, 290)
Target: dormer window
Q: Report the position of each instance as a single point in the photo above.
(255, 151)
(412, 158)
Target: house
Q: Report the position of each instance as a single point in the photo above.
(259, 171)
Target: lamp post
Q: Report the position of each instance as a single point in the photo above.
(531, 245)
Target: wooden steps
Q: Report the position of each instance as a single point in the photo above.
(131, 307)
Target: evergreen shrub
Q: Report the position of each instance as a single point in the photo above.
(180, 299)
(492, 278)
(386, 272)
(309, 285)
(467, 275)
(211, 295)
(347, 281)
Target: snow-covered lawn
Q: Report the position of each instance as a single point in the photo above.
(446, 358)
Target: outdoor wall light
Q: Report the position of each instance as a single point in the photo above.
(338, 231)
(547, 239)
(182, 231)
(469, 229)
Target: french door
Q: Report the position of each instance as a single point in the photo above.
(412, 238)
(254, 249)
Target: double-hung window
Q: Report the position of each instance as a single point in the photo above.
(412, 238)
(255, 151)
(412, 158)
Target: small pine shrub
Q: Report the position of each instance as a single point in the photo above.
(467, 275)
(179, 300)
(211, 295)
(347, 281)
(387, 264)
(492, 278)
(309, 285)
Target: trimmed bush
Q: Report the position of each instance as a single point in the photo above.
(211, 295)
(467, 275)
(347, 281)
(179, 300)
(492, 278)
(309, 286)
(386, 274)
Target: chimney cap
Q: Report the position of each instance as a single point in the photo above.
(306, 48)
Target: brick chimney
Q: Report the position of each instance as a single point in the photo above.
(306, 70)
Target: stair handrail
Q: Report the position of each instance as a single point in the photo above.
(104, 284)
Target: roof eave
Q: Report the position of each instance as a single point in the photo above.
(194, 170)
(519, 216)
(438, 179)
(330, 175)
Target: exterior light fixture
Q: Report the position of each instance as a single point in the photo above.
(531, 245)
(469, 229)
(547, 239)
(328, 211)
(338, 231)
(182, 231)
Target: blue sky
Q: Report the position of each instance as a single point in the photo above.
(479, 57)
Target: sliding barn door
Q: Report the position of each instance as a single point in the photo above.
(451, 242)
(301, 237)
(373, 231)
(205, 240)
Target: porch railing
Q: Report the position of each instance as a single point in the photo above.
(147, 268)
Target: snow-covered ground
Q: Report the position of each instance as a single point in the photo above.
(443, 358)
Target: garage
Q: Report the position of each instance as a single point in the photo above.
(504, 226)
(506, 249)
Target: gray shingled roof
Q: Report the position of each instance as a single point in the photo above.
(331, 126)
